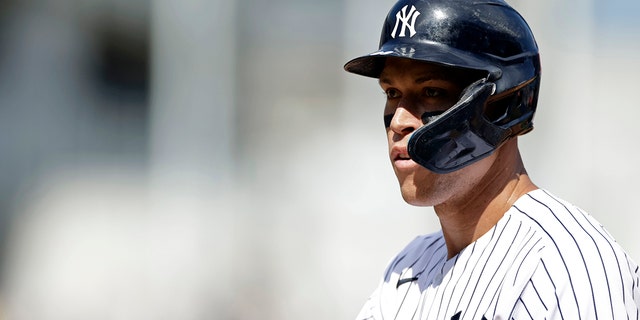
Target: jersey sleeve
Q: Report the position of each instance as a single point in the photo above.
(383, 297)
(372, 308)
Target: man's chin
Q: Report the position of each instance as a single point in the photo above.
(413, 199)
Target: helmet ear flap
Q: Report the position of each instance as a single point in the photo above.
(474, 127)
(515, 108)
(498, 110)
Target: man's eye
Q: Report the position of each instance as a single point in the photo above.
(433, 92)
(392, 93)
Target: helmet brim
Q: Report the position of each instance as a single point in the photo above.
(371, 65)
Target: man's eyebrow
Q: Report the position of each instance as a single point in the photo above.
(420, 79)
(384, 80)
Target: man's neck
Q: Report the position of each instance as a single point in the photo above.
(470, 216)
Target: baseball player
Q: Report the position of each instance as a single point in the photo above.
(461, 80)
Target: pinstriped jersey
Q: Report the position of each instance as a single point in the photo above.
(544, 259)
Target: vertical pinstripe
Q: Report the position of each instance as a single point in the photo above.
(545, 259)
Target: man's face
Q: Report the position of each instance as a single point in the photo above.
(413, 88)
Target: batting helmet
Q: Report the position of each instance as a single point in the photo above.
(480, 35)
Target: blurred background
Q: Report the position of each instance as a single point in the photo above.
(211, 160)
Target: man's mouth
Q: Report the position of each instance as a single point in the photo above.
(400, 154)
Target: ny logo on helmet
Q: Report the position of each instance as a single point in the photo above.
(404, 17)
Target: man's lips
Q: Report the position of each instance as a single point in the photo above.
(400, 156)
(399, 153)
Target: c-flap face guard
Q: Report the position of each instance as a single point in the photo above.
(460, 136)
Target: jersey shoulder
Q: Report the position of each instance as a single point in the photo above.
(580, 270)
(424, 246)
(565, 229)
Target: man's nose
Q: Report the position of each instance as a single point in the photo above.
(404, 121)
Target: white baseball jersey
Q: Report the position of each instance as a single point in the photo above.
(545, 259)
